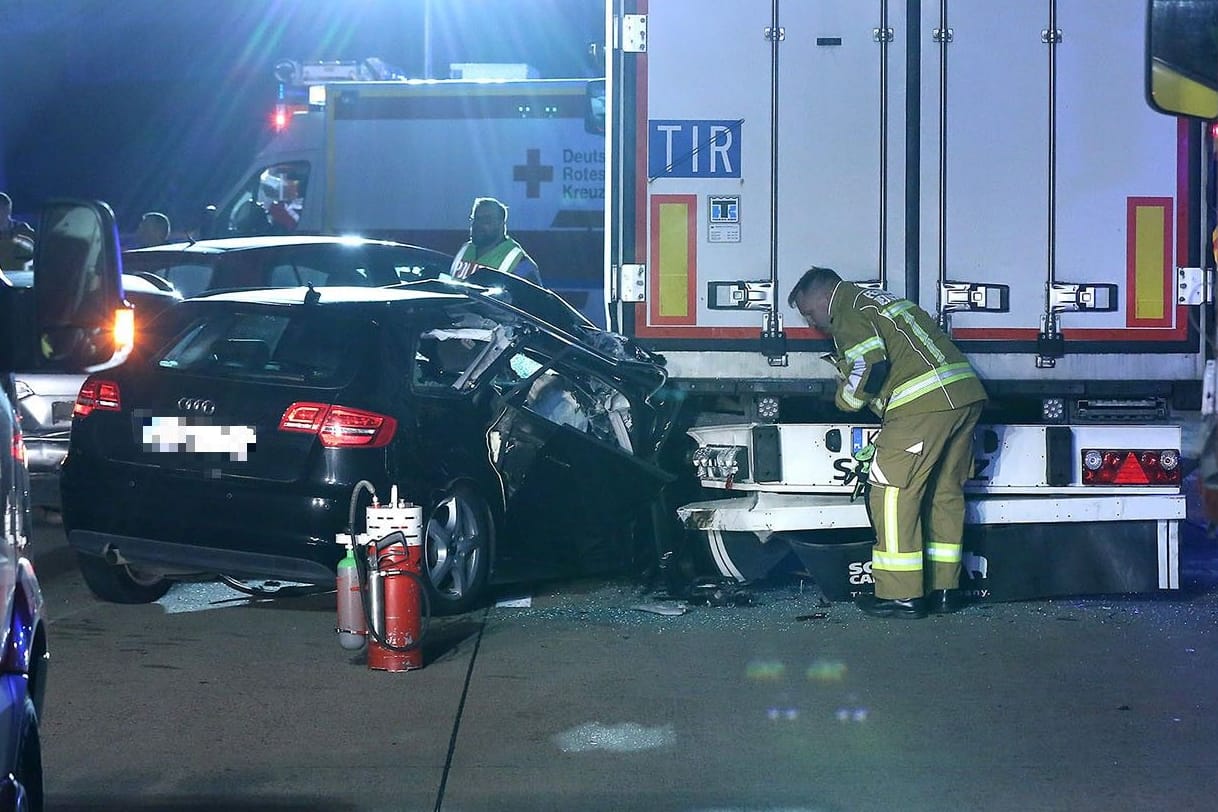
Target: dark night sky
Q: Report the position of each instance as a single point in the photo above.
(160, 104)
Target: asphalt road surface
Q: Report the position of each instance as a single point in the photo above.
(208, 701)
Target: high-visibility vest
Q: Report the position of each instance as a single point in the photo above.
(503, 257)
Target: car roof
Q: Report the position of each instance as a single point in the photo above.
(226, 244)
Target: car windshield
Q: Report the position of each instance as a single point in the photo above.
(260, 344)
(194, 272)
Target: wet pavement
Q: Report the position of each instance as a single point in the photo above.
(579, 700)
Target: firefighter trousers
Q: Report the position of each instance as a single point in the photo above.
(917, 500)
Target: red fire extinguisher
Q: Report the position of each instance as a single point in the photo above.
(397, 605)
(397, 629)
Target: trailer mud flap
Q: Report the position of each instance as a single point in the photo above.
(1022, 562)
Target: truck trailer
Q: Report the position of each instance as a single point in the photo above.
(995, 163)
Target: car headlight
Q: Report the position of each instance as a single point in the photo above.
(23, 389)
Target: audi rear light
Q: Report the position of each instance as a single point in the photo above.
(339, 426)
(97, 394)
(1131, 466)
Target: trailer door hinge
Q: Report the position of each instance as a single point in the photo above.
(1194, 286)
(629, 283)
(740, 295)
(633, 36)
(1071, 296)
(974, 297)
(774, 340)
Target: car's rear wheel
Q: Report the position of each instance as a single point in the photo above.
(21, 789)
(459, 545)
(121, 583)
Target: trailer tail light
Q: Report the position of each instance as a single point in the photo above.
(1131, 467)
(339, 426)
(97, 394)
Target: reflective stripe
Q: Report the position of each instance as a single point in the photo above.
(936, 378)
(891, 523)
(850, 400)
(902, 309)
(896, 562)
(510, 259)
(944, 553)
(863, 347)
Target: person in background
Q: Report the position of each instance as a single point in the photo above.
(892, 357)
(16, 238)
(285, 212)
(489, 245)
(153, 230)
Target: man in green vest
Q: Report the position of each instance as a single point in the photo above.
(892, 357)
(489, 245)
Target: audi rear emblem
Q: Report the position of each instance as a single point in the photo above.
(199, 405)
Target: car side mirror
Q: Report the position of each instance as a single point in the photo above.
(81, 319)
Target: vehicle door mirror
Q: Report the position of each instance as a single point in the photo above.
(82, 320)
(1182, 57)
(594, 107)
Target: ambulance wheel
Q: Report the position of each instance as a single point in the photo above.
(121, 583)
(457, 555)
(742, 556)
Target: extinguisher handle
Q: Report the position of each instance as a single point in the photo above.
(388, 541)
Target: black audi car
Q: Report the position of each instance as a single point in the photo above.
(232, 442)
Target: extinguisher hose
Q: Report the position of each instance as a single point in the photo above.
(361, 567)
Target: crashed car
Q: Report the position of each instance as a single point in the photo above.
(233, 443)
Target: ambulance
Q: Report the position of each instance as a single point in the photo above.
(358, 148)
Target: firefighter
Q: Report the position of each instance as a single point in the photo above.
(489, 245)
(892, 356)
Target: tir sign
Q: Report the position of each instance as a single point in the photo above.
(693, 149)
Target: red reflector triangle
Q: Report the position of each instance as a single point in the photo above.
(1130, 472)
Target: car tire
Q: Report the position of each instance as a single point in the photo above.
(120, 583)
(458, 545)
(23, 788)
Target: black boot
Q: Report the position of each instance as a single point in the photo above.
(944, 601)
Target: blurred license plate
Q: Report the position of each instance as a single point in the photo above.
(61, 410)
(177, 434)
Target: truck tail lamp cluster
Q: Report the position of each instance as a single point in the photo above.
(1131, 467)
(97, 395)
(727, 463)
(339, 426)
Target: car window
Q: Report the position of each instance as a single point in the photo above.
(301, 346)
(190, 276)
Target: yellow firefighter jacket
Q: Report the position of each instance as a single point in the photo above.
(893, 357)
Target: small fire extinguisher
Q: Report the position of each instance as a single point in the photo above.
(351, 627)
